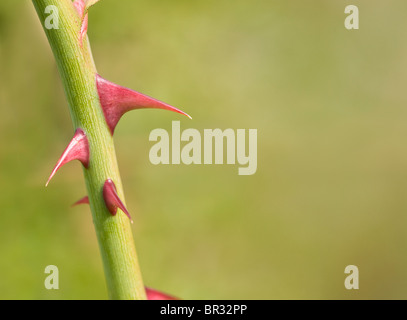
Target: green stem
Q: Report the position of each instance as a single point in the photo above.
(77, 70)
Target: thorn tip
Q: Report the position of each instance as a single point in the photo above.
(84, 200)
(77, 149)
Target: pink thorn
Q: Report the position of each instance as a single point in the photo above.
(112, 199)
(80, 7)
(84, 200)
(116, 101)
(77, 149)
(157, 295)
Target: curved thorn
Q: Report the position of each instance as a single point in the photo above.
(116, 101)
(84, 200)
(112, 199)
(157, 295)
(77, 149)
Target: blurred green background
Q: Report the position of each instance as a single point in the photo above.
(330, 106)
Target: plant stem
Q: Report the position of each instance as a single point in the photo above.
(77, 70)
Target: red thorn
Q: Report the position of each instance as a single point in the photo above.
(81, 8)
(157, 295)
(77, 149)
(112, 199)
(84, 200)
(116, 101)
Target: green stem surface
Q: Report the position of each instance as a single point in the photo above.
(77, 70)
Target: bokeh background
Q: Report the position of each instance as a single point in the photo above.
(330, 107)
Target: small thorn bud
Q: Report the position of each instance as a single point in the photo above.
(77, 149)
(112, 199)
(84, 29)
(81, 8)
(157, 295)
(116, 101)
(84, 200)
